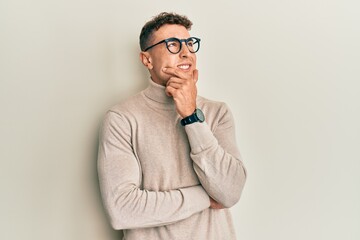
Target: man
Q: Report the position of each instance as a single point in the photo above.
(169, 167)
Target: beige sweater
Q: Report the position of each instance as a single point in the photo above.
(156, 176)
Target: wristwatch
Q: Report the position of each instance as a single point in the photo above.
(197, 116)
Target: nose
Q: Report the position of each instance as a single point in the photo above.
(184, 52)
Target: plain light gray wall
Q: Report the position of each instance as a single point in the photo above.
(289, 70)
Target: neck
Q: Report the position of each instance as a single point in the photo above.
(158, 81)
(156, 93)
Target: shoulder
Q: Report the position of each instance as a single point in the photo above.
(127, 106)
(212, 106)
(216, 112)
(124, 113)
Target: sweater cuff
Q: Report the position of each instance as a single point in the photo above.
(200, 136)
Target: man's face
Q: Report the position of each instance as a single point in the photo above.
(159, 57)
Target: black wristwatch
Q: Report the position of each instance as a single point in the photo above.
(197, 116)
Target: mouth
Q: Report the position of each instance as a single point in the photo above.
(184, 66)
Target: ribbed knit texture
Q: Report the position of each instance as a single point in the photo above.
(156, 176)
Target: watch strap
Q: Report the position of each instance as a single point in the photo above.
(190, 119)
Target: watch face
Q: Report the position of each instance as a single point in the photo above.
(200, 115)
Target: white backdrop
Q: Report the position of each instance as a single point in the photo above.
(289, 70)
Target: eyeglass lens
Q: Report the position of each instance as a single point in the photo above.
(174, 45)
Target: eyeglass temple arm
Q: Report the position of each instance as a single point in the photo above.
(146, 49)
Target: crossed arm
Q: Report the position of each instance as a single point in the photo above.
(220, 171)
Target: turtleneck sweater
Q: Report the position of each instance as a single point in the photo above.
(156, 176)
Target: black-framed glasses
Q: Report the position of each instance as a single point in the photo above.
(174, 44)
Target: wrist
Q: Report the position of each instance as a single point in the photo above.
(187, 113)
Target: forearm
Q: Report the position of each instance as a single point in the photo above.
(220, 172)
(130, 207)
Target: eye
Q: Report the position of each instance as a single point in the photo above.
(190, 43)
(173, 44)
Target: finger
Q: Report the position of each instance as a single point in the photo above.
(176, 73)
(195, 75)
(175, 80)
(175, 85)
(170, 91)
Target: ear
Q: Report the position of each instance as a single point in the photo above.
(145, 58)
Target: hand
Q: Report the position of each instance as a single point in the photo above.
(215, 205)
(182, 87)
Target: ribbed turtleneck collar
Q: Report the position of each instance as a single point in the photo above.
(156, 93)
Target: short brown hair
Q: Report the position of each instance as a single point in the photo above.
(156, 22)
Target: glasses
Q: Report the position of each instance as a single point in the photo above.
(174, 44)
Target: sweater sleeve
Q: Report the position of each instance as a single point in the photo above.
(127, 205)
(216, 158)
